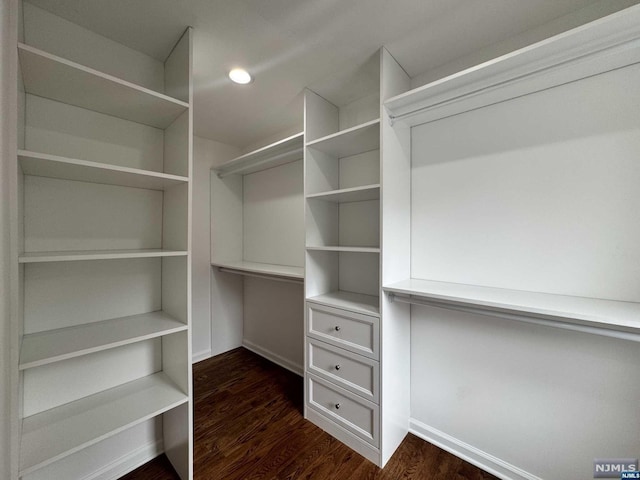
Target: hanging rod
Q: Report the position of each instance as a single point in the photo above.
(295, 151)
(528, 318)
(275, 278)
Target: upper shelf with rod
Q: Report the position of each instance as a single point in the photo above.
(284, 151)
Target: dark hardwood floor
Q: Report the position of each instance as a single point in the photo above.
(249, 426)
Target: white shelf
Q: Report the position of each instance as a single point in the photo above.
(358, 139)
(355, 302)
(345, 249)
(262, 268)
(285, 151)
(53, 166)
(61, 344)
(592, 312)
(59, 79)
(38, 257)
(61, 431)
(355, 194)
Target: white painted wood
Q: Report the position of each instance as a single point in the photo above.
(64, 215)
(353, 194)
(59, 129)
(65, 294)
(595, 312)
(226, 218)
(349, 370)
(177, 68)
(321, 273)
(322, 172)
(360, 170)
(263, 268)
(344, 249)
(322, 223)
(273, 216)
(60, 344)
(559, 175)
(53, 77)
(175, 291)
(349, 330)
(54, 166)
(359, 223)
(395, 263)
(53, 434)
(352, 141)
(177, 144)
(176, 361)
(71, 256)
(278, 153)
(175, 217)
(596, 47)
(61, 37)
(359, 272)
(355, 302)
(320, 117)
(353, 413)
(361, 110)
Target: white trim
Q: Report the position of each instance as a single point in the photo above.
(128, 462)
(469, 453)
(274, 357)
(200, 356)
(603, 45)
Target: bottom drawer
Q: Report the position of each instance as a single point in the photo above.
(357, 415)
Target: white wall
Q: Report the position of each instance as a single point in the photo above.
(8, 36)
(206, 154)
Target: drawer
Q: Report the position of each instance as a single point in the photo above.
(354, 372)
(341, 328)
(353, 413)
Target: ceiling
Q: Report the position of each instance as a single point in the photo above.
(292, 44)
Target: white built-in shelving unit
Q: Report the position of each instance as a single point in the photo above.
(104, 190)
(356, 361)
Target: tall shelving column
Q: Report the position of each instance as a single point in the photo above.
(357, 364)
(103, 253)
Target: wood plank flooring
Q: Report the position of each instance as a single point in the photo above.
(249, 426)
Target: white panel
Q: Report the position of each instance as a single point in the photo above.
(178, 432)
(176, 363)
(65, 215)
(226, 311)
(359, 273)
(176, 146)
(226, 217)
(360, 111)
(360, 169)
(71, 293)
(322, 223)
(109, 458)
(177, 69)
(274, 318)
(539, 196)
(321, 274)
(61, 37)
(58, 383)
(59, 129)
(321, 116)
(360, 223)
(175, 228)
(273, 215)
(174, 287)
(576, 386)
(322, 172)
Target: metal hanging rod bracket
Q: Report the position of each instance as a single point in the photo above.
(275, 278)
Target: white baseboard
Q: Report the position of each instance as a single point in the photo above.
(274, 357)
(198, 357)
(471, 454)
(127, 463)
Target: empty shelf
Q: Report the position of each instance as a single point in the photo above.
(37, 257)
(591, 312)
(358, 139)
(356, 302)
(59, 79)
(53, 166)
(279, 153)
(262, 268)
(345, 249)
(355, 194)
(54, 434)
(61, 344)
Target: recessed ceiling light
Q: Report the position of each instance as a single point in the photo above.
(240, 75)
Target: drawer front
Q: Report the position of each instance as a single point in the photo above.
(353, 413)
(354, 372)
(353, 331)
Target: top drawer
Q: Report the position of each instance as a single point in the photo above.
(352, 331)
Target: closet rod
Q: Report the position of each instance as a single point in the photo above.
(298, 281)
(480, 310)
(295, 151)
